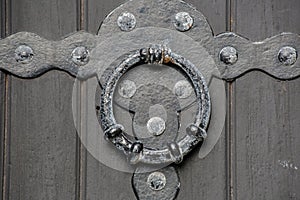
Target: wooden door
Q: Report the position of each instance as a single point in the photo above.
(41, 156)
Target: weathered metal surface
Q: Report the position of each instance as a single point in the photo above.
(116, 133)
(154, 101)
(163, 184)
(44, 55)
(252, 55)
(261, 56)
(270, 18)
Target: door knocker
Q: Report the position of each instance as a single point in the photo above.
(153, 81)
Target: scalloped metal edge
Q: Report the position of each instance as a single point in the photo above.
(261, 56)
(47, 54)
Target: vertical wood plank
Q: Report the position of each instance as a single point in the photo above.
(98, 180)
(96, 11)
(267, 138)
(3, 97)
(42, 138)
(258, 20)
(265, 126)
(101, 182)
(215, 12)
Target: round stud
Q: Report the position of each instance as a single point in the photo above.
(23, 54)
(126, 21)
(80, 55)
(228, 55)
(182, 89)
(156, 126)
(183, 21)
(156, 181)
(287, 55)
(127, 88)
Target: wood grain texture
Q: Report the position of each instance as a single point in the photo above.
(42, 138)
(97, 180)
(258, 19)
(101, 182)
(3, 77)
(215, 12)
(265, 111)
(266, 138)
(2, 125)
(96, 11)
(49, 19)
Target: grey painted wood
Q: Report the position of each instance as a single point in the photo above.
(265, 111)
(101, 182)
(97, 180)
(49, 19)
(215, 12)
(2, 124)
(96, 11)
(42, 138)
(257, 19)
(266, 141)
(3, 77)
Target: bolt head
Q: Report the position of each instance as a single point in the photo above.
(80, 55)
(229, 55)
(183, 21)
(156, 126)
(182, 89)
(287, 55)
(157, 181)
(127, 89)
(126, 21)
(23, 54)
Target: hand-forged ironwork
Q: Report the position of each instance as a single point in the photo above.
(195, 131)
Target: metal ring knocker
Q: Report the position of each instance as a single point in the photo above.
(115, 132)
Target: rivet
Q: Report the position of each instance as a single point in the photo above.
(182, 89)
(183, 21)
(126, 21)
(156, 181)
(23, 54)
(156, 126)
(228, 55)
(287, 55)
(127, 88)
(80, 55)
